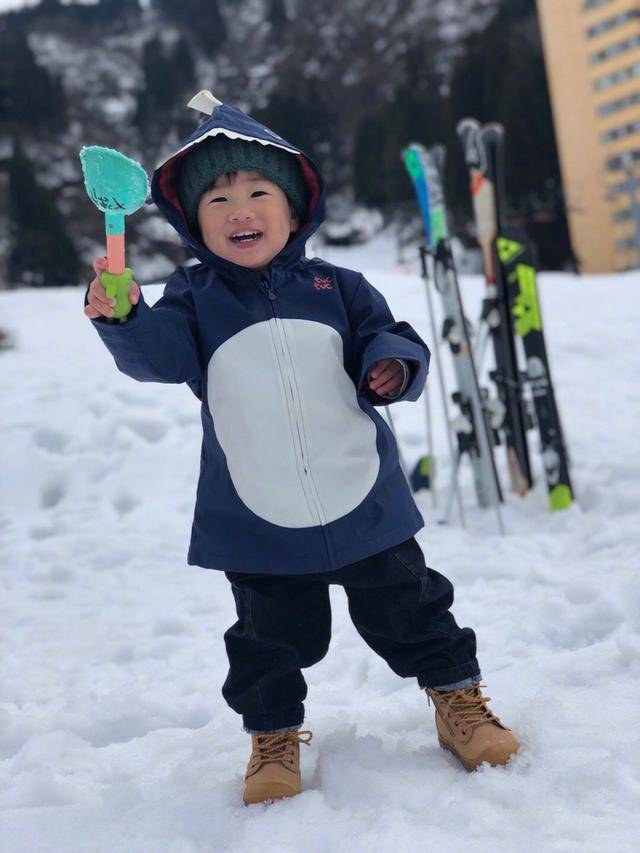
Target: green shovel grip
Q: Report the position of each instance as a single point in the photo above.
(117, 287)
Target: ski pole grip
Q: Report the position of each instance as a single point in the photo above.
(117, 286)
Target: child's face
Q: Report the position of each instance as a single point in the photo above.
(245, 204)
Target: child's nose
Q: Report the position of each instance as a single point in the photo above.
(241, 214)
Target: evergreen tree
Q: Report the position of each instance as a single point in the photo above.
(415, 113)
(41, 252)
(371, 157)
(151, 93)
(277, 13)
(304, 123)
(200, 18)
(183, 86)
(114, 15)
(110, 10)
(29, 96)
(168, 77)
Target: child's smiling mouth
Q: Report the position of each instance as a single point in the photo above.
(246, 239)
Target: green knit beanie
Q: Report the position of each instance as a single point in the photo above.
(218, 155)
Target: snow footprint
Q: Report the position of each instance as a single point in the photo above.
(42, 531)
(152, 431)
(171, 626)
(135, 399)
(49, 439)
(52, 494)
(124, 504)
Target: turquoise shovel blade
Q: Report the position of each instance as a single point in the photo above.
(116, 184)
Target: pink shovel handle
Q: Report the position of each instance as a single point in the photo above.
(115, 253)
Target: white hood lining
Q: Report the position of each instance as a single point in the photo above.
(230, 134)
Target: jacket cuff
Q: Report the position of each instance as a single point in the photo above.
(387, 345)
(405, 381)
(106, 322)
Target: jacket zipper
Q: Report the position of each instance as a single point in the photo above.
(313, 500)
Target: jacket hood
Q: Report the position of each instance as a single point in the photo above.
(232, 122)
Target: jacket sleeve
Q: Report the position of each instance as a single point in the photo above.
(376, 335)
(157, 343)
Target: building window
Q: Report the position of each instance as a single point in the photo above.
(617, 189)
(615, 163)
(619, 104)
(617, 77)
(622, 215)
(588, 5)
(621, 132)
(614, 50)
(611, 23)
(628, 244)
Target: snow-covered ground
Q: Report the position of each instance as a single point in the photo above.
(113, 732)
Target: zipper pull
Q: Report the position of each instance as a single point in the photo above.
(267, 286)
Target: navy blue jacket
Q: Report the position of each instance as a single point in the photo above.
(299, 472)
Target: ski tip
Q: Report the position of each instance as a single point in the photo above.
(467, 125)
(439, 156)
(560, 497)
(492, 135)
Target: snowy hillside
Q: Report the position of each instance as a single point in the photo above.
(113, 733)
(119, 73)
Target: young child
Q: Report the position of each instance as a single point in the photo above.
(300, 484)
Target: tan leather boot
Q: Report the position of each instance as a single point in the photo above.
(273, 771)
(468, 729)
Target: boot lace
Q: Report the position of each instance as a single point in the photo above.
(468, 705)
(278, 747)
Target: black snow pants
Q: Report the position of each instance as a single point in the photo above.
(399, 606)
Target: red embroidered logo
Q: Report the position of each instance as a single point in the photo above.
(322, 283)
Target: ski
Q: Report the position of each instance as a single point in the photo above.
(472, 428)
(516, 260)
(483, 155)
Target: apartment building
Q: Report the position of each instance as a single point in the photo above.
(592, 55)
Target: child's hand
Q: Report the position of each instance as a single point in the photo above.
(98, 303)
(386, 377)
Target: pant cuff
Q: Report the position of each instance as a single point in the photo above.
(452, 675)
(273, 732)
(458, 685)
(283, 721)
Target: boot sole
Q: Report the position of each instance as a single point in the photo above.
(253, 801)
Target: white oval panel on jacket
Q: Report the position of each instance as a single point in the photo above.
(299, 448)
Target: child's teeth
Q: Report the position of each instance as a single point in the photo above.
(246, 235)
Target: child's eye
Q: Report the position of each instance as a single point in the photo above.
(256, 193)
(217, 198)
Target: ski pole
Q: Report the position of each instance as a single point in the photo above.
(424, 253)
(453, 482)
(403, 464)
(480, 417)
(430, 447)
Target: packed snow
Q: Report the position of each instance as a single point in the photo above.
(113, 731)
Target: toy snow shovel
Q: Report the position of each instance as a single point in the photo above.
(117, 186)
